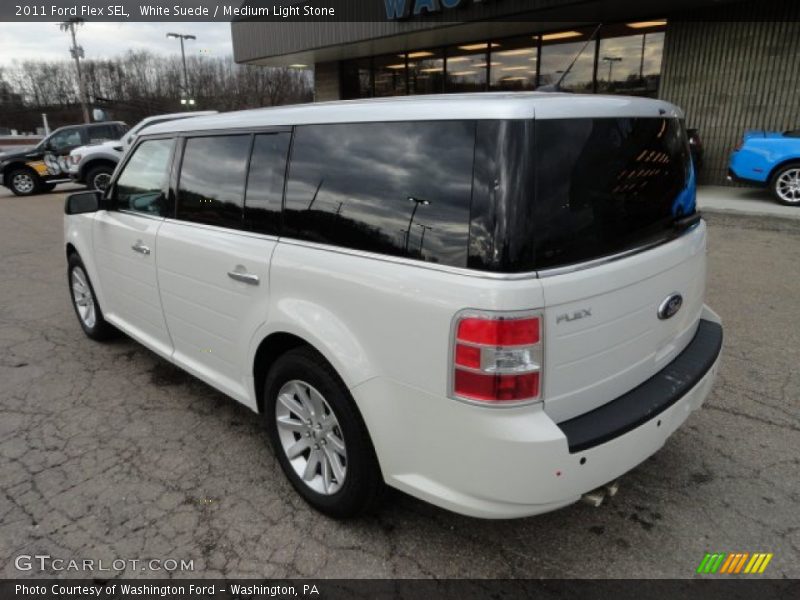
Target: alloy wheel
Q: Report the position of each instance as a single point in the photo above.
(23, 183)
(788, 186)
(311, 437)
(101, 181)
(82, 297)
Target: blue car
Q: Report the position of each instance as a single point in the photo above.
(770, 159)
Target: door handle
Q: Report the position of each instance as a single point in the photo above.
(240, 274)
(140, 248)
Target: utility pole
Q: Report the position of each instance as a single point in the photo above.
(185, 98)
(77, 53)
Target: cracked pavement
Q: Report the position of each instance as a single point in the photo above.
(109, 452)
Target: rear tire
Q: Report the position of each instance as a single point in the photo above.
(84, 301)
(321, 442)
(785, 184)
(99, 177)
(24, 182)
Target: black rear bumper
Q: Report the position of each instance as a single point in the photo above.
(650, 398)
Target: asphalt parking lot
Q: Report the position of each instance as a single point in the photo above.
(108, 452)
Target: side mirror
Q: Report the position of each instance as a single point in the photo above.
(83, 202)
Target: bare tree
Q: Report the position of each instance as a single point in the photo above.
(139, 84)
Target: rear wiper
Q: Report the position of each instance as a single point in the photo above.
(687, 222)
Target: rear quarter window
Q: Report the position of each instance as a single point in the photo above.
(402, 189)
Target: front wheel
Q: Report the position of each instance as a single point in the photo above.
(786, 184)
(85, 302)
(319, 437)
(24, 182)
(99, 178)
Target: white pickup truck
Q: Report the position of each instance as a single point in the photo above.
(93, 164)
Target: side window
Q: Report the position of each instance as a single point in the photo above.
(262, 203)
(212, 177)
(99, 133)
(68, 138)
(143, 182)
(396, 188)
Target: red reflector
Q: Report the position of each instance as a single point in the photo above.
(496, 388)
(501, 332)
(468, 356)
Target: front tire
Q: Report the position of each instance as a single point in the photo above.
(24, 182)
(785, 184)
(99, 177)
(85, 302)
(319, 437)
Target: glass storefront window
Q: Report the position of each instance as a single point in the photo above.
(628, 57)
(558, 51)
(356, 79)
(630, 64)
(390, 75)
(466, 68)
(426, 72)
(514, 63)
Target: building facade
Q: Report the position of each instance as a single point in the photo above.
(731, 65)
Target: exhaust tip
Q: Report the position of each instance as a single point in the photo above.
(594, 498)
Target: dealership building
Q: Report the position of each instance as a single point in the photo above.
(731, 65)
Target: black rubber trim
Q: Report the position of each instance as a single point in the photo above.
(650, 398)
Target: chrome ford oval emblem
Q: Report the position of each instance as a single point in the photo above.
(670, 306)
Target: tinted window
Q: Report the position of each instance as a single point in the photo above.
(103, 132)
(572, 190)
(143, 182)
(396, 188)
(212, 180)
(265, 182)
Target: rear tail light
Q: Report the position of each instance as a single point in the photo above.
(497, 357)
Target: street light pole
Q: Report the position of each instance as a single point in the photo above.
(417, 202)
(77, 53)
(611, 60)
(181, 37)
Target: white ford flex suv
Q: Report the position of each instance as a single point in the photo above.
(492, 302)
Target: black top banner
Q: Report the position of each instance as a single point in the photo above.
(445, 11)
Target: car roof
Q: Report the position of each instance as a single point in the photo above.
(78, 125)
(178, 115)
(435, 107)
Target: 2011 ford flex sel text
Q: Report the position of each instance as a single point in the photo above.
(492, 302)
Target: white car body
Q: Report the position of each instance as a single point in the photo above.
(386, 323)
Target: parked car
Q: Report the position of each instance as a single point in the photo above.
(494, 312)
(769, 159)
(40, 168)
(94, 164)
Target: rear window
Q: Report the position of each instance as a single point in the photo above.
(578, 189)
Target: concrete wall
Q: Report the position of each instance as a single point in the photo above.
(734, 75)
(326, 81)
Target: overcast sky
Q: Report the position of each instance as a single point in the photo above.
(44, 41)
